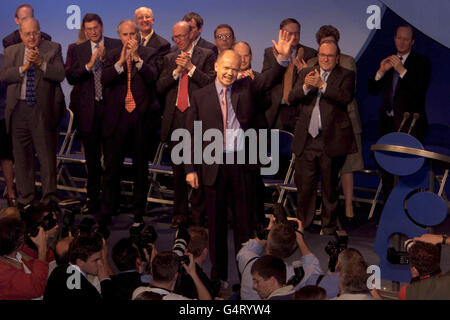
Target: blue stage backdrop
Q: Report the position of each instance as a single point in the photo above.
(257, 22)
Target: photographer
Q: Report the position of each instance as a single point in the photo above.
(21, 276)
(269, 279)
(352, 276)
(165, 268)
(427, 281)
(127, 259)
(198, 246)
(86, 257)
(282, 242)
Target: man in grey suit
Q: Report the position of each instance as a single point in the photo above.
(32, 70)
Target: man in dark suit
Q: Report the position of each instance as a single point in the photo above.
(69, 282)
(128, 77)
(229, 104)
(185, 70)
(323, 133)
(33, 69)
(281, 114)
(23, 11)
(224, 37)
(402, 80)
(86, 71)
(145, 20)
(196, 22)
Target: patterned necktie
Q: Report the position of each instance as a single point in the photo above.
(130, 104)
(143, 42)
(183, 92)
(287, 83)
(395, 78)
(224, 107)
(30, 89)
(314, 124)
(98, 78)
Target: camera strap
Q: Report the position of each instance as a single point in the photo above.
(319, 279)
(248, 262)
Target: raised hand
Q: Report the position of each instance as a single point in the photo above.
(385, 65)
(184, 61)
(133, 46)
(283, 49)
(396, 63)
(313, 79)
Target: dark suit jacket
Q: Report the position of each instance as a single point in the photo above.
(14, 38)
(57, 288)
(143, 87)
(161, 45)
(336, 126)
(46, 83)
(167, 86)
(410, 94)
(125, 283)
(275, 95)
(205, 106)
(84, 109)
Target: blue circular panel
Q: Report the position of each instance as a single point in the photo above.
(427, 208)
(399, 163)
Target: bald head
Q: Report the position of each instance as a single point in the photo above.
(10, 212)
(182, 35)
(227, 67)
(30, 33)
(144, 19)
(244, 50)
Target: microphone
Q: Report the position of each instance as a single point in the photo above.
(406, 116)
(416, 117)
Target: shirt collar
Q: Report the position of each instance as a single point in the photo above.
(194, 43)
(76, 267)
(219, 87)
(147, 38)
(190, 51)
(93, 44)
(404, 57)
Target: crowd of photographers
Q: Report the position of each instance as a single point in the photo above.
(40, 261)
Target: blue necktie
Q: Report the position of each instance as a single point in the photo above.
(314, 124)
(98, 78)
(395, 78)
(143, 42)
(31, 90)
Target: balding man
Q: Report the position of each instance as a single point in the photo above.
(185, 70)
(229, 105)
(145, 20)
(33, 69)
(323, 133)
(23, 11)
(129, 78)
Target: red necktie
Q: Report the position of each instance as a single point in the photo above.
(130, 104)
(183, 92)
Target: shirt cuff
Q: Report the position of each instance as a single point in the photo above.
(22, 74)
(175, 75)
(118, 68)
(403, 74)
(139, 64)
(44, 67)
(306, 91)
(283, 63)
(324, 88)
(191, 73)
(87, 69)
(378, 77)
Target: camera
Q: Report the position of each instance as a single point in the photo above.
(335, 247)
(299, 274)
(143, 235)
(35, 217)
(280, 218)
(400, 257)
(182, 239)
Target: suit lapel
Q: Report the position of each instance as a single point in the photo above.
(38, 72)
(235, 97)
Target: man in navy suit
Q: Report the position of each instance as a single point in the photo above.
(129, 78)
(229, 104)
(86, 70)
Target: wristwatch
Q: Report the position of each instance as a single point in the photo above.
(444, 239)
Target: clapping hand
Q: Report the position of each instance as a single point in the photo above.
(313, 79)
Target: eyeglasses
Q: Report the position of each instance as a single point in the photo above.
(329, 56)
(33, 33)
(93, 29)
(223, 36)
(180, 36)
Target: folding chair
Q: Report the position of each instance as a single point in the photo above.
(160, 168)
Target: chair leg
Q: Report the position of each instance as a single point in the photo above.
(375, 199)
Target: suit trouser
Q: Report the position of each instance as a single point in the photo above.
(181, 189)
(30, 134)
(130, 137)
(93, 154)
(312, 162)
(232, 190)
